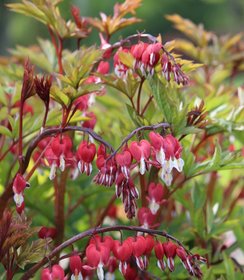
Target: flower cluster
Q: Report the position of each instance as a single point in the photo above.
(130, 256)
(149, 59)
(59, 155)
(162, 152)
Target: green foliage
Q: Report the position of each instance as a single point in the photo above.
(203, 203)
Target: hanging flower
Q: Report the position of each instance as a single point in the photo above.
(55, 273)
(124, 160)
(75, 265)
(122, 251)
(141, 153)
(156, 194)
(146, 217)
(170, 252)
(97, 256)
(85, 155)
(18, 188)
(59, 154)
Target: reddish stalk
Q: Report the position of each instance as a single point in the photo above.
(20, 152)
(143, 190)
(105, 211)
(139, 95)
(59, 54)
(8, 150)
(146, 105)
(59, 188)
(58, 48)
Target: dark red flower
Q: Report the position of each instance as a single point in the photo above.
(170, 252)
(75, 265)
(141, 152)
(145, 217)
(85, 155)
(91, 122)
(56, 273)
(97, 256)
(124, 160)
(159, 253)
(46, 232)
(156, 194)
(59, 154)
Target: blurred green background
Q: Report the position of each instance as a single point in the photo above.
(220, 16)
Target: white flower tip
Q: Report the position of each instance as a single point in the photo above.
(142, 166)
(91, 99)
(52, 174)
(91, 139)
(178, 164)
(75, 173)
(62, 163)
(100, 272)
(160, 156)
(18, 199)
(154, 206)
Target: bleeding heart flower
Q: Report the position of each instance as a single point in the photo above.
(59, 154)
(126, 187)
(97, 256)
(150, 57)
(141, 152)
(20, 184)
(122, 251)
(75, 265)
(168, 154)
(124, 160)
(106, 241)
(159, 253)
(130, 273)
(81, 103)
(156, 193)
(146, 218)
(137, 51)
(138, 249)
(181, 253)
(170, 252)
(149, 244)
(85, 155)
(103, 67)
(56, 273)
(18, 188)
(107, 169)
(91, 122)
(46, 232)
